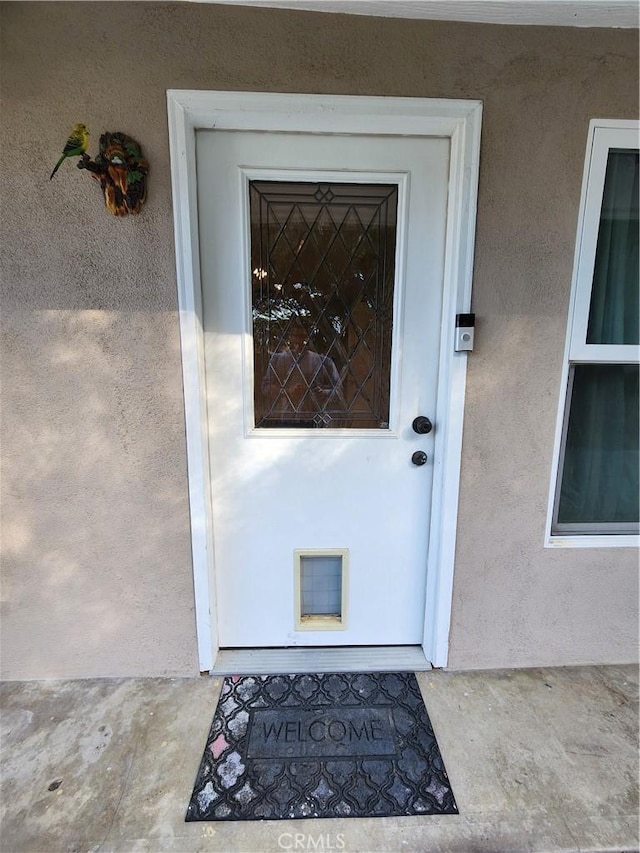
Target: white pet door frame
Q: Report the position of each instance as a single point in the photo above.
(457, 120)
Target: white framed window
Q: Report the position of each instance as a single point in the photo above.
(595, 479)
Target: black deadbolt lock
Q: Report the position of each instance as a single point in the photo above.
(419, 457)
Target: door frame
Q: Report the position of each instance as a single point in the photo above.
(460, 122)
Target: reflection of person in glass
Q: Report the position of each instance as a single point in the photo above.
(302, 387)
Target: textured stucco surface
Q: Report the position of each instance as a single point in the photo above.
(96, 552)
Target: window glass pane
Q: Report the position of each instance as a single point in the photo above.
(613, 314)
(600, 482)
(321, 586)
(323, 271)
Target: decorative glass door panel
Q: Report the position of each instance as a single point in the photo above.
(322, 271)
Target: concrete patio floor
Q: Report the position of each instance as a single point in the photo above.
(539, 760)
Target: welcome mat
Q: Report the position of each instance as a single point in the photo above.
(322, 745)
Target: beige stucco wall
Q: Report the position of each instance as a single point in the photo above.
(96, 553)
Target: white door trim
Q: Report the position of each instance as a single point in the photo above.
(458, 120)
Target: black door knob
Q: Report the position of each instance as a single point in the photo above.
(419, 457)
(422, 425)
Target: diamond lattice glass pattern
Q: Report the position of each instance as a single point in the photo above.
(323, 269)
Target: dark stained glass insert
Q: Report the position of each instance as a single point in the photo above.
(322, 289)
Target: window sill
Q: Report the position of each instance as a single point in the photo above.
(595, 540)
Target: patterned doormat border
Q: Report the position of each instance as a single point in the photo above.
(320, 745)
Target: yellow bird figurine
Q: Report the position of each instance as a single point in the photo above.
(76, 145)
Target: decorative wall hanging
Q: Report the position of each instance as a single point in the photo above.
(75, 146)
(120, 168)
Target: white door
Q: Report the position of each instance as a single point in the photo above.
(322, 261)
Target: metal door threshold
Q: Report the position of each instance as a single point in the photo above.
(320, 659)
